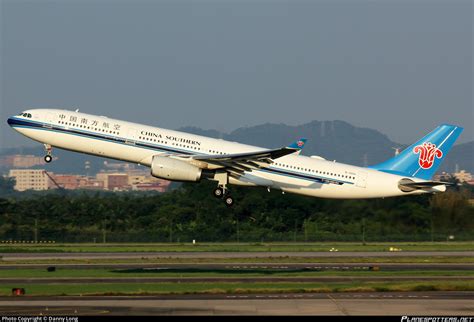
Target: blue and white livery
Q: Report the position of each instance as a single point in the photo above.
(180, 156)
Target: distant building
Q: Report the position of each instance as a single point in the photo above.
(117, 181)
(463, 176)
(132, 179)
(102, 177)
(74, 181)
(142, 180)
(118, 166)
(160, 186)
(114, 180)
(67, 181)
(91, 184)
(30, 179)
(443, 176)
(21, 161)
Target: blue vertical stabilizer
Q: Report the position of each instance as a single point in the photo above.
(422, 159)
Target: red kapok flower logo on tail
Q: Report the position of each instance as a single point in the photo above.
(300, 143)
(428, 151)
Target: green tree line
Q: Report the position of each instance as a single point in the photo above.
(191, 212)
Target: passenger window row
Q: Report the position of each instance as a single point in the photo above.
(152, 140)
(315, 171)
(186, 146)
(89, 127)
(164, 142)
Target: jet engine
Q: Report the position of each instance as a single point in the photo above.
(174, 170)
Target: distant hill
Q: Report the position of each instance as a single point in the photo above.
(336, 140)
(333, 140)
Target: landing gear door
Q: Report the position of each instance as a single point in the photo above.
(132, 137)
(361, 179)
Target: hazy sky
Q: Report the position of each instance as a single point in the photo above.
(401, 67)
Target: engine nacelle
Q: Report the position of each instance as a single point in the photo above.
(174, 170)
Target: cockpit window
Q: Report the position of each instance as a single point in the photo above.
(29, 115)
(25, 115)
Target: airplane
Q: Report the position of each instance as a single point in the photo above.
(179, 156)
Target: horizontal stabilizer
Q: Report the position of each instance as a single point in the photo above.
(408, 185)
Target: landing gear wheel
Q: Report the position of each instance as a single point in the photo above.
(48, 149)
(218, 192)
(229, 201)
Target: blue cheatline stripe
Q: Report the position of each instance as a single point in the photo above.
(14, 122)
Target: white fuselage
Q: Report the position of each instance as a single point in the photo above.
(137, 143)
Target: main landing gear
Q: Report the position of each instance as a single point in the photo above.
(222, 193)
(48, 157)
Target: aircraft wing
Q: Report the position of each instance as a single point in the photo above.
(236, 164)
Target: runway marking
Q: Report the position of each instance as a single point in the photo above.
(340, 307)
(51, 311)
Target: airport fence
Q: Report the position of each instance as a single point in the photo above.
(247, 237)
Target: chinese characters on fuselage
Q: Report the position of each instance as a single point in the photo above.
(89, 122)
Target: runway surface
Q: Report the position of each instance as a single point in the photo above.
(396, 303)
(192, 255)
(390, 303)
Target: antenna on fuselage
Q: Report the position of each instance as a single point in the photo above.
(77, 110)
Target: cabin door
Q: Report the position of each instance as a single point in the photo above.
(132, 136)
(361, 179)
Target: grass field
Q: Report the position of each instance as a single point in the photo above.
(249, 260)
(93, 272)
(237, 247)
(234, 288)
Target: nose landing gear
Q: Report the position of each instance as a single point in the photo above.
(48, 157)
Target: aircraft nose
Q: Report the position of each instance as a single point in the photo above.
(10, 121)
